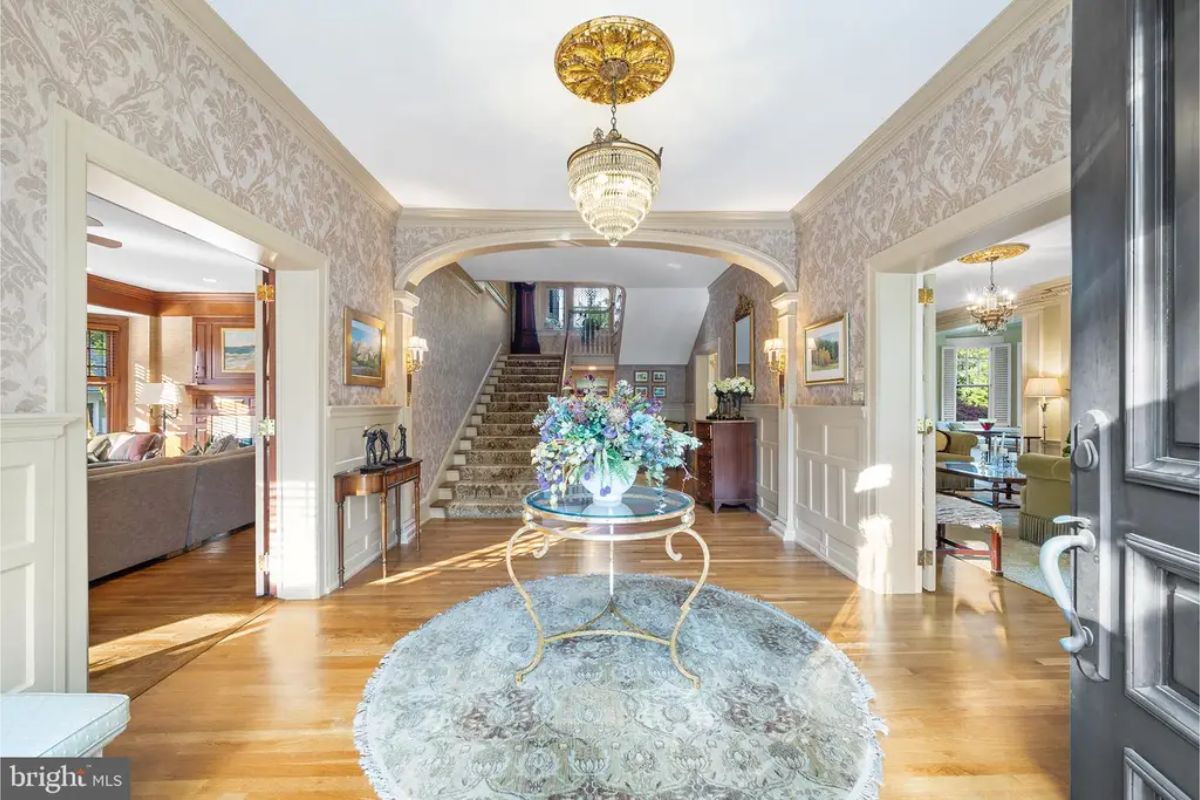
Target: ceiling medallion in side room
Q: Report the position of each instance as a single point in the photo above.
(994, 307)
(614, 60)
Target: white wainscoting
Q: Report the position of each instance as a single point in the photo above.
(345, 448)
(766, 481)
(33, 575)
(831, 452)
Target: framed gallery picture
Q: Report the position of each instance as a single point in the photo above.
(641, 376)
(642, 389)
(363, 349)
(660, 391)
(827, 351)
(238, 349)
(660, 376)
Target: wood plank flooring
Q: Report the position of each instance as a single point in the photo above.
(969, 680)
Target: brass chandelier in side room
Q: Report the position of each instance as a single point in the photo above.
(994, 307)
(613, 60)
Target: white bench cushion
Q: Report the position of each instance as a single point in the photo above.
(34, 724)
(957, 511)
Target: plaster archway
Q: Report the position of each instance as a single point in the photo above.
(410, 273)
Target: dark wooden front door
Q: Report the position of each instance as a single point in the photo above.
(1134, 359)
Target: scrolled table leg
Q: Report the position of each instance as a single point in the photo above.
(686, 608)
(537, 623)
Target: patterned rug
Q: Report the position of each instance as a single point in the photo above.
(781, 712)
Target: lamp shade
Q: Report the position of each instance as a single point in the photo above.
(1043, 387)
(158, 394)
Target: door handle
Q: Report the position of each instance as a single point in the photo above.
(1054, 547)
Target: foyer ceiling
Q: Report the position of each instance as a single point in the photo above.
(457, 105)
(1048, 258)
(631, 267)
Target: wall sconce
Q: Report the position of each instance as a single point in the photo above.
(414, 357)
(777, 362)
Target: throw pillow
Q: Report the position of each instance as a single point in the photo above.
(220, 445)
(943, 441)
(121, 442)
(98, 449)
(140, 446)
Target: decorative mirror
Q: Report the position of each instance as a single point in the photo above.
(743, 338)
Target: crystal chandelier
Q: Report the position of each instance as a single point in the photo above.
(992, 309)
(613, 180)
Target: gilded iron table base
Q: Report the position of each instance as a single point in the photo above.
(631, 629)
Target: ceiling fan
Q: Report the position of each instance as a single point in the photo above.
(103, 241)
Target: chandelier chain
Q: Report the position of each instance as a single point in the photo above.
(614, 104)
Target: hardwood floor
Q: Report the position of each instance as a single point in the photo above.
(969, 680)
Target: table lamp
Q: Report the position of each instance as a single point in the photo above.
(1045, 388)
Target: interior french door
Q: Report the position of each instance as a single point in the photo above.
(265, 532)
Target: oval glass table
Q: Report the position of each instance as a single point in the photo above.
(643, 513)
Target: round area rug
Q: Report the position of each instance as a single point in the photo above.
(780, 713)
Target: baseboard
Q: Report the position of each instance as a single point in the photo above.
(448, 456)
(815, 541)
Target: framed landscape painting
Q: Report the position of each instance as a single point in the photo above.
(642, 389)
(659, 376)
(641, 376)
(827, 351)
(238, 349)
(363, 349)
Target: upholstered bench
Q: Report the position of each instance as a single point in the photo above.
(957, 511)
(40, 725)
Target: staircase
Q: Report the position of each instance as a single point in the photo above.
(491, 472)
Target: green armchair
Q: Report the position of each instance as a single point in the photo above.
(954, 446)
(1047, 494)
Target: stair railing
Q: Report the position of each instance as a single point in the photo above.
(566, 360)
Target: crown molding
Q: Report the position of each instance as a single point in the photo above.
(244, 66)
(1010, 27)
(534, 218)
(1031, 298)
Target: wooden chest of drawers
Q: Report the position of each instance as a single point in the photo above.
(726, 463)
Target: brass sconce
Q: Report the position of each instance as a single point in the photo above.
(414, 359)
(777, 361)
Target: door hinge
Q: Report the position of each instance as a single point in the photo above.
(261, 562)
(266, 427)
(925, 558)
(925, 426)
(925, 295)
(265, 292)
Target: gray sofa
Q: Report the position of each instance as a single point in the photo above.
(148, 509)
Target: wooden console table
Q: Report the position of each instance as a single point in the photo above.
(356, 483)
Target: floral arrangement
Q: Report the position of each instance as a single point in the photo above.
(737, 386)
(593, 433)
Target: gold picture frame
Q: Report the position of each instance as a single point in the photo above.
(239, 349)
(827, 351)
(364, 349)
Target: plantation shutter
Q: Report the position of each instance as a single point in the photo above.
(948, 383)
(1000, 394)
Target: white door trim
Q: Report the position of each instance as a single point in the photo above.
(81, 152)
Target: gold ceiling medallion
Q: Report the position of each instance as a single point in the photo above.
(997, 252)
(612, 180)
(635, 53)
(992, 309)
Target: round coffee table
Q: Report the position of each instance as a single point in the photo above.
(641, 506)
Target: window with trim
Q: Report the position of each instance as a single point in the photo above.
(977, 383)
(590, 308)
(106, 373)
(556, 308)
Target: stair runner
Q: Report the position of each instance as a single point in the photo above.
(491, 472)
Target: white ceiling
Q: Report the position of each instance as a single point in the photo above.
(1049, 257)
(456, 104)
(157, 257)
(631, 267)
(660, 325)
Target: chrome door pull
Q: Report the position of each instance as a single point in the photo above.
(1080, 636)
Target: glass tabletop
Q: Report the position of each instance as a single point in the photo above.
(984, 471)
(639, 503)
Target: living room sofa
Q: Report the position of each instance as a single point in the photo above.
(1047, 493)
(954, 446)
(149, 509)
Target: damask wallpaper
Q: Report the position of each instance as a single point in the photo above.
(129, 67)
(1013, 122)
(463, 330)
(717, 326)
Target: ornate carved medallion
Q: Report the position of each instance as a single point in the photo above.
(997, 252)
(635, 53)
